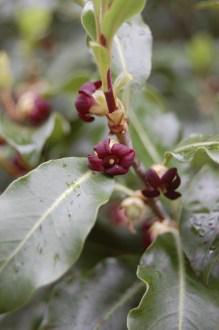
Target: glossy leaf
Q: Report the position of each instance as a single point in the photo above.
(45, 219)
(98, 300)
(132, 50)
(174, 298)
(29, 142)
(188, 150)
(119, 12)
(200, 223)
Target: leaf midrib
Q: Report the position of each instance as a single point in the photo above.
(182, 280)
(195, 145)
(43, 217)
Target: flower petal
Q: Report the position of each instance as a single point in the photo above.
(168, 177)
(120, 150)
(128, 159)
(90, 87)
(152, 178)
(151, 193)
(175, 183)
(83, 103)
(103, 148)
(95, 163)
(116, 170)
(172, 194)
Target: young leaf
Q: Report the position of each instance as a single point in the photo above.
(29, 142)
(189, 149)
(45, 219)
(88, 20)
(99, 300)
(102, 60)
(200, 223)
(132, 50)
(174, 298)
(119, 12)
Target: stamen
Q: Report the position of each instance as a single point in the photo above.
(111, 161)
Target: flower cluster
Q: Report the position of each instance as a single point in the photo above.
(111, 158)
(165, 182)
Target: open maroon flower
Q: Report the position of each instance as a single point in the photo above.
(167, 183)
(33, 108)
(111, 159)
(90, 101)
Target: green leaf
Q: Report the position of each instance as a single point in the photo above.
(29, 142)
(189, 149)
(42, 235)
(88, 20)
(200, 223)
(103, 61)
(98, 300)
(174, 298)
(30, 316)
(132, 50)
(34, 314)
(119, 12)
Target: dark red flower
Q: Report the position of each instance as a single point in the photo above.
(111, 159)
(166, 184)
(86, 100)
(33, 108)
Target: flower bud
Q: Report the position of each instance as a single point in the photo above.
(117, 120)
(134, 209)
(33, 108)
(91, 101)
(111, 159)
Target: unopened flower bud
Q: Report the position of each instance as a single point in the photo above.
(134, 208)
(32, 108)
(117, 120)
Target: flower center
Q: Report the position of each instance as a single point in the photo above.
(111, 161)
